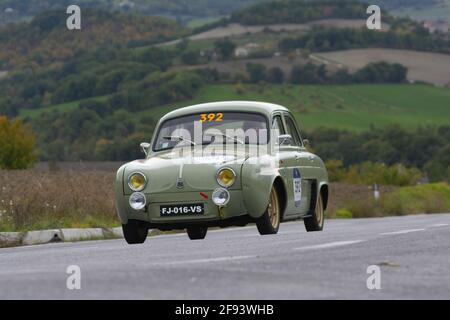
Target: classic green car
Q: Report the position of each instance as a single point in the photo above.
(222, 164)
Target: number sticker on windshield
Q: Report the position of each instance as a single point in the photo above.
(211, 117)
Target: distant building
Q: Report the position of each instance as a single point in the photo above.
(9, 10)
(241, 52)
(437, 25)
(126, 5)
(244, 51)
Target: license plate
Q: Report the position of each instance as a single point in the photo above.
(182, 209)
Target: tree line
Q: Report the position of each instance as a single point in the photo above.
(379, 72)
(327, 39)
(299, 11)
(426, 148)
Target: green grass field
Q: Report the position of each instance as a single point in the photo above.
(353, 107)
(68, 106)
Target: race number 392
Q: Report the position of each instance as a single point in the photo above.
(244, 309)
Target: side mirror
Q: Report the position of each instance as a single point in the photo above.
(285, 140)
(145, 146)
(306, 142)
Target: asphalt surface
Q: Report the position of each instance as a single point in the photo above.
(413, 253)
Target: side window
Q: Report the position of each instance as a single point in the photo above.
(277, 128)
(291, 129)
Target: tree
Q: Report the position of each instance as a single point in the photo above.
(17, 143)
(225, 47)
(275, 75)
(256, 71)
(190, 57)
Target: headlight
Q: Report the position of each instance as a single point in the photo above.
(137, 181)
(226, 177)
(137, 201)
(221, 196)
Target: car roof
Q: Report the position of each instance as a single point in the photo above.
(247, 106)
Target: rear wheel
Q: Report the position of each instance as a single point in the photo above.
(135, 232)
(269, 223)
(197, 233)
(316, 221)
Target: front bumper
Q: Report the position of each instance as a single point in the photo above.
(151, 214)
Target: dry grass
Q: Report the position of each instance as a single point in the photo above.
(37, 200)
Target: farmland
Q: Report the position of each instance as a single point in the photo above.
(422, 66)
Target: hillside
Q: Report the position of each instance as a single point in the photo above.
(96, 94)
(196, 13)
(354, 107)
(182, 10)
(351, 107)
(46, 40)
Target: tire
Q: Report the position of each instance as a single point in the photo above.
(135, 232)
(269, 223)
(316, 221)
(197, 233)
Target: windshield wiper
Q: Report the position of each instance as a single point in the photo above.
(179, 138)
(227, 136)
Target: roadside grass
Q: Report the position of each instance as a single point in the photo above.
(425, 198)
(31, 200)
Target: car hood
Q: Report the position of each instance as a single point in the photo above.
(197, 172)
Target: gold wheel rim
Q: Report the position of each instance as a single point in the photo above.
(319, 211)
(274, 209)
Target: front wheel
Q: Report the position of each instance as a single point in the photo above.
(316, 221)
(135, 232)
(269, 223)
(197, 233)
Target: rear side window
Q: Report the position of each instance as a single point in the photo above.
(277, 127)
(292, 130)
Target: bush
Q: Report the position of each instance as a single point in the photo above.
(426, 198)
(370, 173)
(344, 214)
(17, 143)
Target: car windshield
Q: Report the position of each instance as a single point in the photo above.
(212, 128)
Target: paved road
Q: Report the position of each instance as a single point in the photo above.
(413, 253)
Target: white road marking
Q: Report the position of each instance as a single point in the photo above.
(329, 245)
(401, 232)
(219, 259)
(437, 225)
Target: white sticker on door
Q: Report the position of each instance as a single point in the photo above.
(297, 187)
